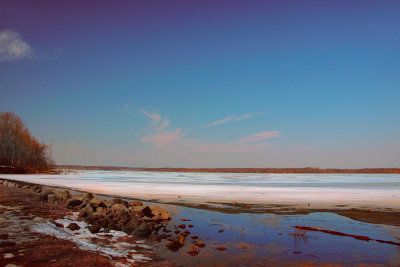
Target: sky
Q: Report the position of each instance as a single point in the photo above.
(206, 83)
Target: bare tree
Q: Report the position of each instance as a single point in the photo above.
(18, 148)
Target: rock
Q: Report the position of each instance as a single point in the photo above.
(36, 189)
(135, 203)
(87, 211)
(181, 239)
(26, 187)
(43, 196)
(157, 211)
(194, 237)
(174, 245)
(100, 210)
(117, 207)
(221, 230)
(52, 198)
(157, 218)
(177, 231)
(146, 211)
(74, 203)
(183, 226)
(95, 228)
(57, 224)
(73, 226)
(185, 220)
(120, 201)
(221, 248)
(143, 230)
(62, 195)
(186, 232)
(129, 227)
(96, 203)
(200, 244)
(194, 250)
(89, 196)
(137, 208)
(190, 225)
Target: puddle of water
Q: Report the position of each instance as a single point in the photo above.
(266, 239)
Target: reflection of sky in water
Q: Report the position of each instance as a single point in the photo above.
(259, 238)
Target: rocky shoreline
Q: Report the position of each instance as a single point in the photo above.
(56, 213)
(103, 215)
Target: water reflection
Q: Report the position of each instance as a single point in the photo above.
(265, 239)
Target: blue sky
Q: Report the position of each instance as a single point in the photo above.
(206, 84)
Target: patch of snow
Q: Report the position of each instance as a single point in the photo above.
(8, 255)
(83, 236)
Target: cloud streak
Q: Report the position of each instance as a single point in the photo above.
(166, 140)
(231, 119)
(258, 137)
(155, 117)
(13, 47)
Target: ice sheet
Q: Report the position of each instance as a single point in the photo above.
(380, 190)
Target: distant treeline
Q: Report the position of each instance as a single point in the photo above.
(20, 152)
(238, 170)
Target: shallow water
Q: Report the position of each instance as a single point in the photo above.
(380, 190)
(258, 239)
(265, 239)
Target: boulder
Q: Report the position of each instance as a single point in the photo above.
(72, 203)
(146, 211)
(157, 211)
(97, 202)
(174, 245)
(181, 239)
(137, 208)
(200, 243)
(194, 250)
(135, 203)
(62, 195)
(52, 198)
(118, 208)
(120, 201)
(73, 226)
(95, 228)
(108, 202)
(43, 196)
(143, 230)
(86, 211)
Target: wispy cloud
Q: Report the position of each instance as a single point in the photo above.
(231, 119)
(160, 138)
(13, 47)
(246, 144)
(155, 117)
(163, 125)
(258, 137)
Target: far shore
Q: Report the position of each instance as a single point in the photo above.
(236, 170)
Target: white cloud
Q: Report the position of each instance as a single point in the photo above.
(231, 119)
(13, 47)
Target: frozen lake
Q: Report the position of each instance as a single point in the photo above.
(372, 190)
